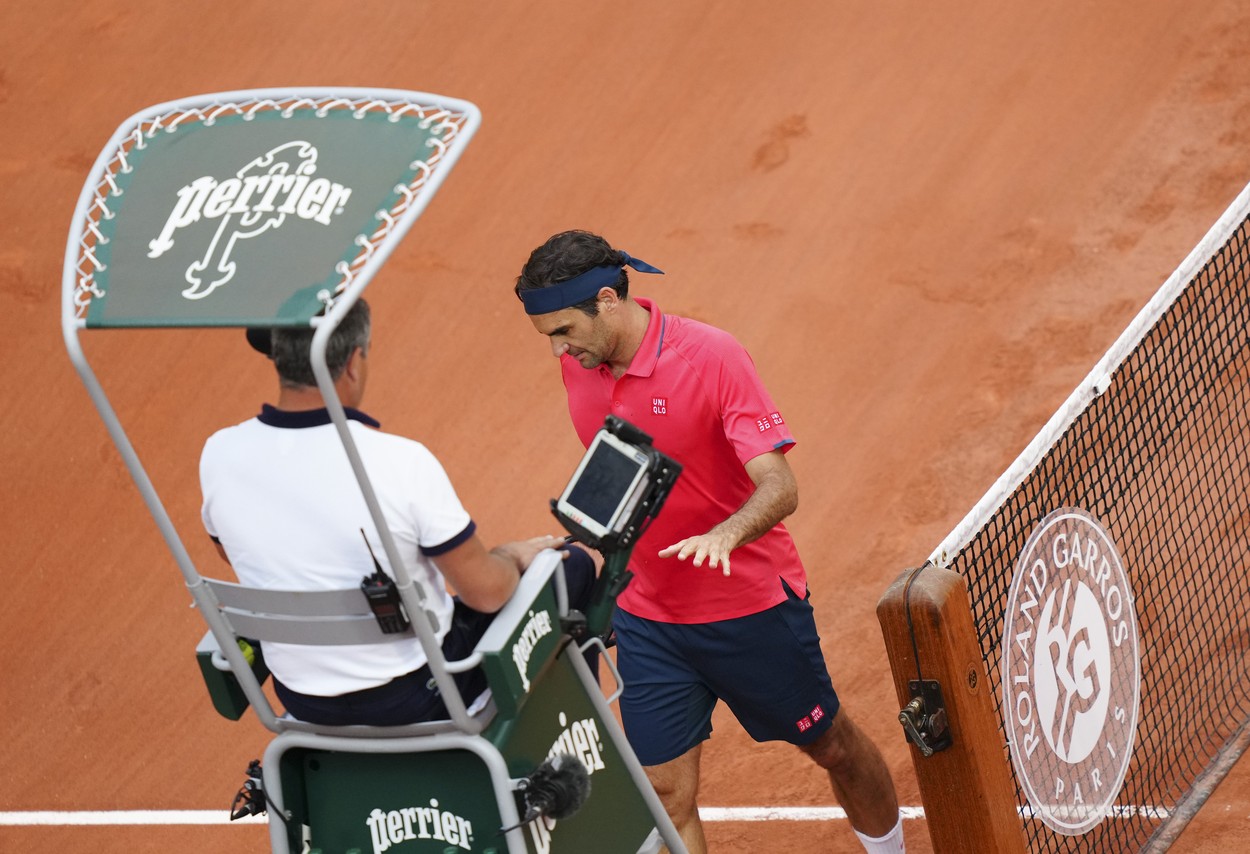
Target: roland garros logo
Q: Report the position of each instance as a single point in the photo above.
(1071, 671)
(260, 197)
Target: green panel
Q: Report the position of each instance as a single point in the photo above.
(423, 803)
(512, 670)
(560, 718)
(241, 223)
(388, 802)
(223, 686)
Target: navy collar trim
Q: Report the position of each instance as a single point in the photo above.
(275, 417)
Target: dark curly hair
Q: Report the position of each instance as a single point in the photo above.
(569, 254)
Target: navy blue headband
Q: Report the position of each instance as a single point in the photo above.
(579, 288)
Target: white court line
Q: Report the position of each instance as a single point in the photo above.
(47, 818)
(113, 817)
(788, 813)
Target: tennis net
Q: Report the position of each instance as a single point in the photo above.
(1155, 445)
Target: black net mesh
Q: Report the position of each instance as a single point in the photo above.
(1161, 460)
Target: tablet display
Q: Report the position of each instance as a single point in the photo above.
(604, 487)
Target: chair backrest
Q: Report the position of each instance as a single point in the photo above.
(523, 637)
(319, 617)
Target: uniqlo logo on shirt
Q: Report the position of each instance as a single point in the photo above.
(776, 418)
(659, 406)
(804, 725)
(763, 424)
(816, 714)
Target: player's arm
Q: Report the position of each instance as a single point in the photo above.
(775, 497)
(484, 580)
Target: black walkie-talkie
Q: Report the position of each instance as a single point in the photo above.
(383, 596)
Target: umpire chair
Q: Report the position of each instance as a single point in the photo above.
(275, 208)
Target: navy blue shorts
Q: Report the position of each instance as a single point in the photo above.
(414, 697)
(767, 667)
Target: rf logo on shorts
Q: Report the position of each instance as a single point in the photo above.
(1071, 671)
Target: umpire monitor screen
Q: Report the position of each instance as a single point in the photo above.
(604, 486)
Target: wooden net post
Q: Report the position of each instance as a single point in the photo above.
(965, 781)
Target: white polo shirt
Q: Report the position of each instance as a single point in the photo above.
(282, 500)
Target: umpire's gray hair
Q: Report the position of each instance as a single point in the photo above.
(292, 347)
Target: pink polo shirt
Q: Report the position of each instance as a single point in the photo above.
(693, 388)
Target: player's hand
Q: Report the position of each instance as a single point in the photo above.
(711, 547)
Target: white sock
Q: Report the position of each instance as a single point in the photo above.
(891, 843)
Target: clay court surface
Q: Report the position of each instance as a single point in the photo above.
(925, 221)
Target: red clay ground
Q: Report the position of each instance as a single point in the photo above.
(926, 221)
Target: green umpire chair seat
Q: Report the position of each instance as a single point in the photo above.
(440, 786)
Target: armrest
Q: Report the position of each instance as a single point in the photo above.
(524, 636)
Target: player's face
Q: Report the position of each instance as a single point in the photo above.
(587, 339)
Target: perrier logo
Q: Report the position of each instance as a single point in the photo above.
(1071, 671)
(260, 197)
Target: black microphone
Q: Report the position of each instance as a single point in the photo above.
(557, 789)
